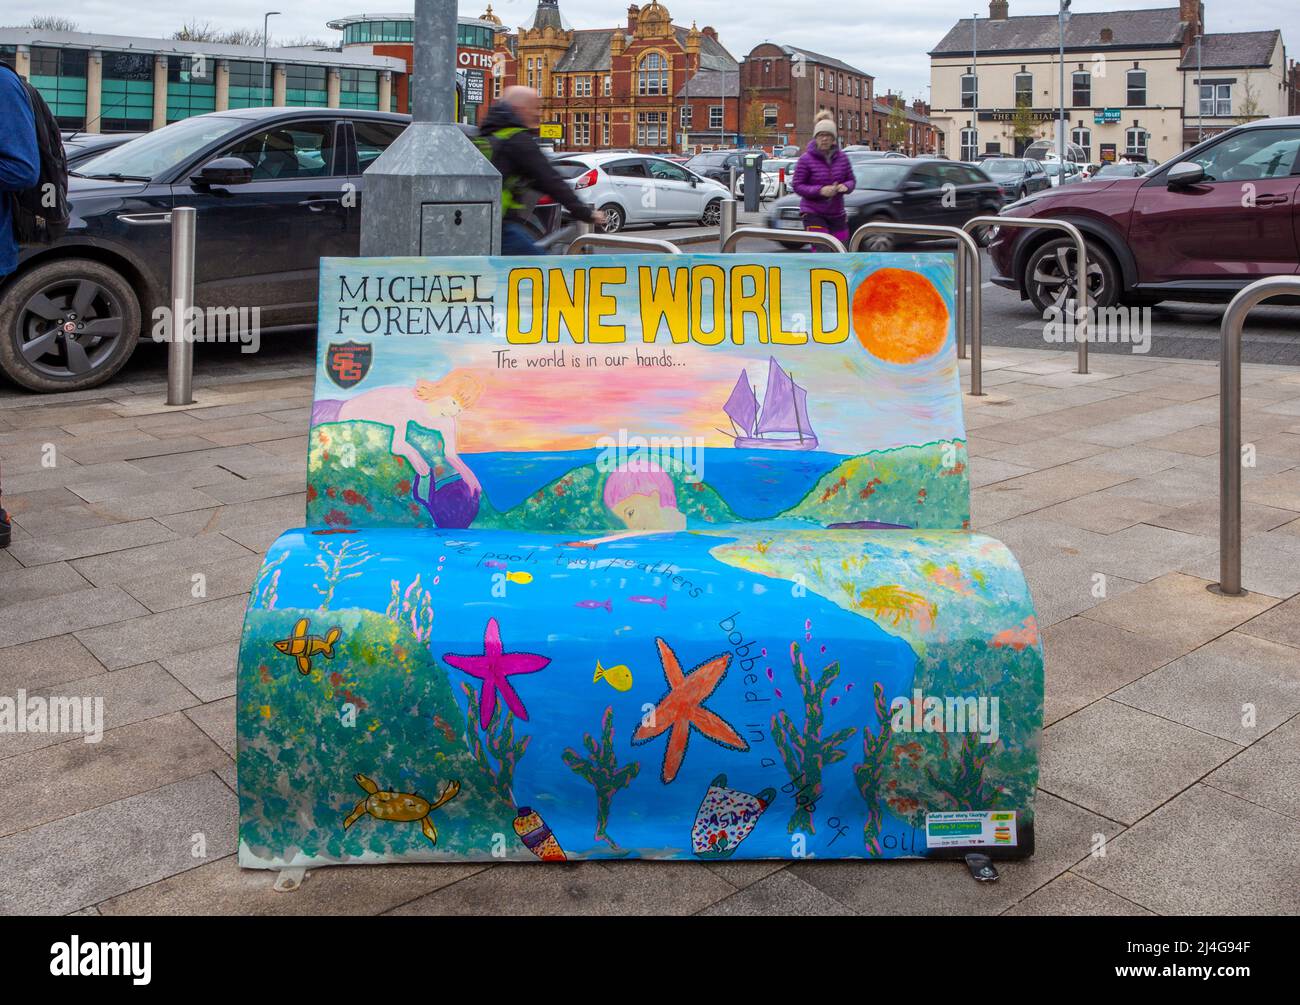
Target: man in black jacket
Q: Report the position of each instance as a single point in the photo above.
(506, 139)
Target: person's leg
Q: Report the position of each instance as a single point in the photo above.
(516, 240)
(817, 224)
(839, 229)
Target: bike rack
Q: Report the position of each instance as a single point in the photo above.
(582, 242)
(729, 243)
(967, 257)
(1080, 269)
(1230, 423)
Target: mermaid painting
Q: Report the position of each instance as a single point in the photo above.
(451, 493)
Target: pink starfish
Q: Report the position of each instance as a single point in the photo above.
(492, 668)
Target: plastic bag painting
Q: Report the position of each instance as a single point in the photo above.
(637, 557)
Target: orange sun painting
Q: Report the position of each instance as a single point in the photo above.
(899, 317)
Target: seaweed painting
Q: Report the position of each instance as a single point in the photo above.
(413, 607)
(601, 770)
(868, 775)
(497, 739)
(806, 753)
(344, 558)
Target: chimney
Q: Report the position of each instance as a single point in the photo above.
(633, 11)
(998, 10)
(1192, 14)
(711, 31)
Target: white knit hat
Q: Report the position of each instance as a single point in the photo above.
(825, 123)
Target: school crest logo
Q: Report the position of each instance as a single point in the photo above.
(348, 363)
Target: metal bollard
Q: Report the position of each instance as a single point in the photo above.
(732, 186)
(726, 221)
(180, 353)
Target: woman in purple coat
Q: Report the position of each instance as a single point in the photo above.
(821, 178)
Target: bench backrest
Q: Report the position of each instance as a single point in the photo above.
(644, 392)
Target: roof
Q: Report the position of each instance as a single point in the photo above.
(548, 16)
(339, 23)
(822, 60)
(1229, 50)
(713, 55)
(712, 84)
(884, 108)
(589, 50)
(171, 47)
(1130, 29)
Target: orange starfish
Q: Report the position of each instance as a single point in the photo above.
(683, 707)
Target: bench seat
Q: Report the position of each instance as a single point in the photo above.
(775, 749)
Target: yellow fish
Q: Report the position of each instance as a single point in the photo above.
(522, 578)
(302, 647)
(619, 677)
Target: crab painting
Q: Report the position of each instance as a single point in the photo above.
(402, 807)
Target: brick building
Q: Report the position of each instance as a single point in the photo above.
(649, 83)
(783, 87)
(903, 127)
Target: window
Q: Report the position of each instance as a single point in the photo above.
(582, 87)
(821, 80)
(1135, 140)
(127, 92)
(190, 87)
(559, 87)
(652, 74)
(769, 116)
(1083, 137)
(531, 78)
(604, 127)
(627, 169)
(715, 116)
(1024, 88)
(1251, 156)
(608, 85)
(305, 85)
(1216, 99)
(1081, 83)
(496, 85)
(373, 138)
(969, 144)
(651, 129)
(297, 150)
(1137, 87)
(359, 88)
(685, 116)
(582, 128)
(60, 76)
(666, 171)
(969, 91)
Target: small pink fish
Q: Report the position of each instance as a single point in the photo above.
(661, 601)
(769, 674)
(494, 565)
(592, 605)
(835, 701)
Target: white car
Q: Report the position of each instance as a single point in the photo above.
(777, 176)
(638, 188)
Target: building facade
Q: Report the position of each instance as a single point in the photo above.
(118, 83)
(783, 87)
(1129, 87)
(905, 128)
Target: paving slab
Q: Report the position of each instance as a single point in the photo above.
(1278, 624)
(1085, 660)
(1121, 762)
(1064, 835)
(128, 760)
(1142, 553)
(1070, 895)
(1270, 564)
(29, 620)
(208, 673)
(184, 555)
(1179, 609)
(217, 720)
(19, 583)
(86, 543)
(155, 636)
(1205, 852)
(45, 663)
(1103, 513)
(1266, 773)
(97, 854)
(1202, 518)
(782, 894)
(1237, 687)
(1069, 585)
(173, 588)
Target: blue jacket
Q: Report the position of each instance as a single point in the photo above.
(20, 161)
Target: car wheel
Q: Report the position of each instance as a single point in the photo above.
(877, 242)
(613, 218)
(792, 245)
(712, 213)
(67, 325)
(983, 236)
(1049, 278)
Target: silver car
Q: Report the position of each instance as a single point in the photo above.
(640, 189)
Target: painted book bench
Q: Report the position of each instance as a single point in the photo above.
(659, 556)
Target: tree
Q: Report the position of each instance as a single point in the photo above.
(753, 126)
(1023, 124)
(896, 126)
(52, 22)
(203, 31)
(1250, 106)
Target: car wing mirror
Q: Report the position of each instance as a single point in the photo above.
(223, 171)
(1185, 174)
(912, 185)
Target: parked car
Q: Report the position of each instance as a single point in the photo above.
(275, 190)
(636, 188)
(905, 190)
(857, 150)
(1178, 232)
(717, 164)
(1062, 172)
(1017, 176)
(80, 147)
(1121, 170)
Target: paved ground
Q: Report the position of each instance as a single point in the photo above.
(1172, 714)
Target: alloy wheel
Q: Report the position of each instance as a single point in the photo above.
(69, 328)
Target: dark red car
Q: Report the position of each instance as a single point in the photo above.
(1199, 227)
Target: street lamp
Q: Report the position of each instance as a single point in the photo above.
(975, 94)
(1063, 17)
(265, 20)
(1200, 105)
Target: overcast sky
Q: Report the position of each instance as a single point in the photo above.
(889, 45)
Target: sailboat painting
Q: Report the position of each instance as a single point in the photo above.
(780, 423)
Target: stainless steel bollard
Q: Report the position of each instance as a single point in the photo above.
(727, 221)
(180, 353)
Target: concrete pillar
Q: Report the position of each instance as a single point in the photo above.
(94, 90)
(279, 86)
(159, 92)
(222, 84)
(385, 89)
(332, 88)
(23, 61)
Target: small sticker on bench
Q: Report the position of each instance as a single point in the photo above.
(971, 829)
